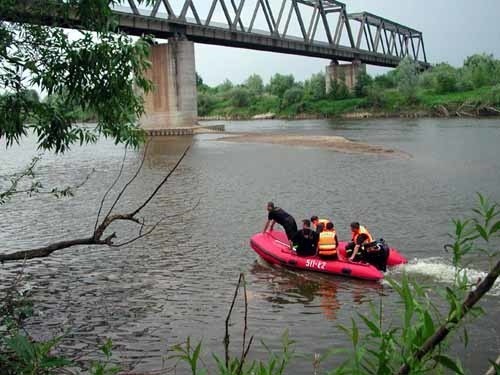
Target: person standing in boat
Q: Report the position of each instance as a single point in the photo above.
(360, 236)
(280, 216)
(306, 240)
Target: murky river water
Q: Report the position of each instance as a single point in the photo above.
(179, 281)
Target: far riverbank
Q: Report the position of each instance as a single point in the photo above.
(474, 103)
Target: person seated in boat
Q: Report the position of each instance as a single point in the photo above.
(280, 216)
(315, 222)
(328, 242)
(306, 240)
(360, 236)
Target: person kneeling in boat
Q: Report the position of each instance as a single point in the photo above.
(376, 253)
(306, 240)
(360, 236)
(328, 242)
(278, 215)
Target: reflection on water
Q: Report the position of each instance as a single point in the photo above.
(180, 280)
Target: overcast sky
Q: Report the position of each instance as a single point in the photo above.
(453, 30)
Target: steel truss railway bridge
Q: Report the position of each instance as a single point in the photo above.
(316, 28)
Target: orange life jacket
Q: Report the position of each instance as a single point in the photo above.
(326, 244)
(362, 230)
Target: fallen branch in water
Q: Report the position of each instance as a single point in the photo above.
(98, 237)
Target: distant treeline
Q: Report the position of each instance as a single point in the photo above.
(472, 89)
(476, 83)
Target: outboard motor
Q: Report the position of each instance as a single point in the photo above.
(376, 253)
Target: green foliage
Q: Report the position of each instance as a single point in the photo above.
(225, 86)
(407, 76)
(26, 182)
(376, 97)
(21, 354)
(206, 102)
(385, 349)
(106, 367)
(482, 70)
(240, 97)
(280, 83)
(493, 97)
(444, 79)
(315, 87)
(99, 72)
(255, 84)
(275, 364)
(292, 96)
(338, 90)
(363, 85)
(387, 81)
(399, 90)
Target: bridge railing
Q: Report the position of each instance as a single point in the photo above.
(313, 22)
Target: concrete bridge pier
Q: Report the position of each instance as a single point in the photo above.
(346, 73)
(172, 105)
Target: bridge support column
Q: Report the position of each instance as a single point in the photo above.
(345, 73)
(173, 102)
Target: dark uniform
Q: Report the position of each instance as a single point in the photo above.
(306, 241)
(285, 220)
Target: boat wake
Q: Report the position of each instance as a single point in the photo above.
(439, 270)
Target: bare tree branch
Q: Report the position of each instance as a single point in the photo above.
(472, 298)
(141, 235)
(162, 183)
(228, 317)
(97, 237)
(129, 182)
(110, 188)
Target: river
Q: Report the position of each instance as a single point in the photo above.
(180, 280)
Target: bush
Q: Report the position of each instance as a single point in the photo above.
(407, 76)
(375, 97)
(315, 87)
(445, 79)
(240, 97)
(206, 103)
(255, 84)
(362, 85)
(493, 97)
(482, 70)
(280, 83)
(338, 91)
(292, 96)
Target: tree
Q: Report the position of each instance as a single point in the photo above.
(482, 70)
(101, 71)
(407, 77)
(255, 84)
(362, 84)
(206, 103)
(225, 86)
(315, 87)
(279, 83)
(292, 96)
(240, 97)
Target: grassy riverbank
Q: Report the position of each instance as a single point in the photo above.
(472, 90)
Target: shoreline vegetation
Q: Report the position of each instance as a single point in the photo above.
(472, 90)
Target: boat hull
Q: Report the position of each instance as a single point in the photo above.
(273, 248)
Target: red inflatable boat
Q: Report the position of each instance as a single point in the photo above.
(273, 248)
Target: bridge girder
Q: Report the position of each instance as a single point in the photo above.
(386, 42)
